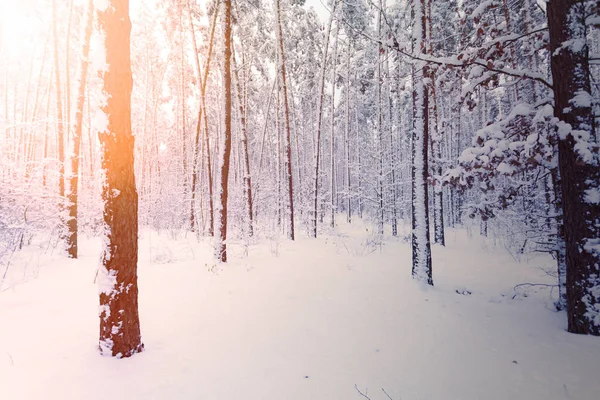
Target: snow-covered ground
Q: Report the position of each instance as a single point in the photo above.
(312, 319)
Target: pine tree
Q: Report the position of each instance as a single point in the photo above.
(72, 223)
(225, 160)
(578, 162)
(421, 245)
(288, 140)
(320, 121)
(60, 114)
(119, 319)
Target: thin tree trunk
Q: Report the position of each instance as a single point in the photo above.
(278, 154)
(392, 156)
(421, 247)
(59, 110)
(511, 48)
(246, 155)
(380, 197)
(320, 120)
(182, 98)
(332, 139)
(347, 138)
(47, 133)
(202, 112)
(68, 72)
(288, 140)
(297, 143)
(196, 150)
(438, 193)
(559, 228)
(72, 224)
(144, 140)
(225, 160)
(24, 136)
(358, 157)
(27, 136)
(436, 146)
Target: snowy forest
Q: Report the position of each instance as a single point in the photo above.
(380, 199)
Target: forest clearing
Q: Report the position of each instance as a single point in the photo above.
(300, 320)
(281, 199)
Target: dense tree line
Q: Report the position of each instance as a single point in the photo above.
(254, 117)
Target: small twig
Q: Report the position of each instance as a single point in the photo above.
(348, 251)
(4, 275)
(534, 284)
(388, 396)
(361, 393)
(12, 362)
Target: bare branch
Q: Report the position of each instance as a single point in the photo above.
(361, 393)
(388, 396)
(523, 74)
(527, 284)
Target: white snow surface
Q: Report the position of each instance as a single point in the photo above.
(299, 320)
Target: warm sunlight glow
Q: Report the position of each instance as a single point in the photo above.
(320, 199)
(21, 25)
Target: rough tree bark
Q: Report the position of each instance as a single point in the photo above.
(119, 319)
(578, 162)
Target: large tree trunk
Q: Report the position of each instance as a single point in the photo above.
(421, 246)
(72, 224)
(225, 160)
(578, 162)
(119, 319)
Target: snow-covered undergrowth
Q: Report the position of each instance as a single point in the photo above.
(304, 320)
